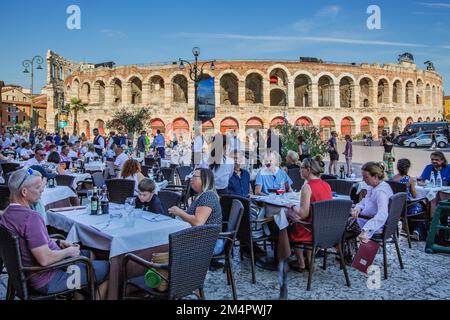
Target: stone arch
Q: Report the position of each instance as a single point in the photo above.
(397, 125)
(304, 122)
(158, 124)
(75, 93)
(409, 92)
(383, 91)
(346, 92)
(383, 125)
(347, 126)
(229, 89)
(254, 123)
(99, 90)
(326, 91)
(157, 89)
(277, 121)
(433, 96)
(116, 84)
(85, 94)
(428, 94)
(280, 67)
(181, 127)
(326, 126)
(136, 89)
(410, 120)
(180, 89)
(254, 88)
(86, 129)
(428, 119)
(303, 90)
(279, 87)
(366, 125)
(397, 89)
(420, 92)
(100, 125)
(420, 119)
(229, 124)
(366, 95)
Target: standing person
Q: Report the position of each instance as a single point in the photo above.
(333, 152)
(160, 144)
(220, 164)
(141, 143)
(388, 156)
(433, 141)
(197, 149)
(348, 153)
(303, 148)
(369, 139)
(32, 138)
(239, 183)
(99, 142)
(147, 143)
(65, 137)
(273, 141)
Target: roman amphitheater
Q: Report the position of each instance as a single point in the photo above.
(348, 98)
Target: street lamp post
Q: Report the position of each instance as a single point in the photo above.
(30, 64)
(196, 74)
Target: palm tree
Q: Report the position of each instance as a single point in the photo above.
(76, 106)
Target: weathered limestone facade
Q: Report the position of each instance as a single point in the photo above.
(348, 98)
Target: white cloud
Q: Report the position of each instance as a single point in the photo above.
(436, 5)
(328, 12)
(112, 33)
(321, 18)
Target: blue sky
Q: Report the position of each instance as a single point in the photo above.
(138, 31)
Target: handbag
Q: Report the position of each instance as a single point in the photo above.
(353, 228)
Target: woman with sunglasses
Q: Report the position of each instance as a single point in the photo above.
(314, 190)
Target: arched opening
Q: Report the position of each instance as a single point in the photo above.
(428, 119)
(75, 90)
(409, 94)
(410, 120)
(326, 92)
(383, 92)
(157, 91)
(254, 124)
(428, 95)
(383, 125)
(229, 124)
(278, 121)
(278, 88)
(366, 125)
(366, 93)
(229, 90)
(136, 90)
(99, 88)
(434, 100)
(347, 126)
(100, 125)
(420, 93)
(397, 92)
(85, 93)
(181, 128)
(180, 89)
(346, 92)
(304, 122)
(397, 126)
(158, 124)
(117, 92)
(208, 127)
(86, 128)
(302, 89)
(326, 126)
(254, 88)
(420, 119)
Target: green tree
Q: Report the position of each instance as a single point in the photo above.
(76, 106)
(130, 121)
(289, 134)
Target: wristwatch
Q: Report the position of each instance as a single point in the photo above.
(58, 243)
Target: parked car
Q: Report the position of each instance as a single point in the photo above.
(422, 127)
(424, 140)
(400, 140)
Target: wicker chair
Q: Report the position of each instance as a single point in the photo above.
(341, 187)
(65, 180)
(244, 235)
(190, 253)
(169, 199)
(396, 209)
(183, 172)
(328, 177)
(8, 168)
(229, 236)
(4, 197)
(297, 179)
(119, 190)
(329, 219)
(18, 275)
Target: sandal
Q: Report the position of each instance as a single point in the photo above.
(294, 265)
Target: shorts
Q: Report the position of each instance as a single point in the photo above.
(60, 281)
(334, 156)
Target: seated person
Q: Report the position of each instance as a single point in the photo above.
(147, 199)
(91, 154)
(65, 154)
(131, 170)
(239, 183)
(271, 177)
(38, 249)
(38, 159)
(53, 164)
(121, 157)
(376, 202)
(314, 190)
(25, 152)
(439, 163)
(206, 207)
(403, 166)
(292, 159)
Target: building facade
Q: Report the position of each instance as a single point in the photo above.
(348, 98)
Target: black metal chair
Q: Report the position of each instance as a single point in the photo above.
(169, 199)
(297, 179)
(4, 197)
(65, 180)
(328, 177)
(341, 187)
(244, 235)
(145, 170)
(183, 172)
(18, 275)
(151, 161)
(186, 192)
(423, 216)
(169, 174)
(396, 208)
(229, 236)
(190, 253)
(119, 190)
(329, 219)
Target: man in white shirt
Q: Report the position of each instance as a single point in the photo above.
(72, 152)
(197, 149)
(26, 152)
(39, 158)
(121, 157)
(99, 143)
(73, 139)
(6, 142)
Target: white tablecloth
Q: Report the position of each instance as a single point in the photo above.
(94, 166)
(56, 194)
(119, 236)
(79, 177)
(430, 193)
